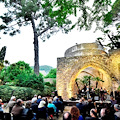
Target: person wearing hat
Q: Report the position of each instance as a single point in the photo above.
(11, 103)
(117, 111)
(42, 112)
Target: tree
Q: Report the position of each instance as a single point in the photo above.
(10, 73)
(113, 15)
(113, 38)
(40, 14)
(111, 18)
(52, 15)
(85, 80)
(97, 79)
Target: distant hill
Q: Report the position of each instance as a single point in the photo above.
(44, 69)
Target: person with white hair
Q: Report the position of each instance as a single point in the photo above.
(104, 114)
(117, 111)
(42, 111)
(11, 103)
(93, 115)
(34, 106)
(39, 99)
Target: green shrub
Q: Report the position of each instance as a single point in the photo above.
(48, 90)
(24, 93)
(20, 92)
(51, 74)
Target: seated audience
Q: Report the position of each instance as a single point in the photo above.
(104, 115)
(113, 101)
(39, 99)
(117, 112)
(34, 106)
(75, 114)
(27, 113)
(51, 105)
(93, 115)
(66, 116)
(42, 112)
(17, 110)
(58, 105)
(11, 103)
(81, 107)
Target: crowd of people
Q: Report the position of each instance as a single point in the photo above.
(44, 108)
(35, 109)
(94, 110)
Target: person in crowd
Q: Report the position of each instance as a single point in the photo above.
(17, 110)
(1, 110)
(11, 103)
(117, 111)
(113, 101)
(39, 99)
(46, 101)
(58, 105)
(104, 115)
(42, 111)
(35, 96)
(66, 116)
(93, 115)
(107, 96)
(89, 106)
(27, 113)
(84, 102)
(34, 106)
(51, 105)
(92, 93)
(87, 91)
(1, 105)
(55, 98)
(62, 103)
(117, 96)
(75, 114)
(81, 107)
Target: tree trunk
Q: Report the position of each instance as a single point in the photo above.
(36, 48)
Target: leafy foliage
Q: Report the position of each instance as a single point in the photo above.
(32, 81)
(51, 74)
(113, 38)
(19, 92)
(48, 17)
(97, 79)
(21, 74)
(10, 73)
(114, 14)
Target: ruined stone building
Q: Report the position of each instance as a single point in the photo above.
(87, 59)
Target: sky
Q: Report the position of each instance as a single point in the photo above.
(20, 47)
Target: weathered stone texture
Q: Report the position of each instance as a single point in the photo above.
(68, 68)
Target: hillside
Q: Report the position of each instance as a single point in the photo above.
(44, 68)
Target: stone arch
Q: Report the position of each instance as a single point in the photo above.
(82, 56)
(107, 84)
(69, 68)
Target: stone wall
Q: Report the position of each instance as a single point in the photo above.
(68, 68)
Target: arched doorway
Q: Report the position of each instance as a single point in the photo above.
(107, 84)
(80, 57)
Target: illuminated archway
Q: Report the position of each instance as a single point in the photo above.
(79, 57)
(72, 90)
